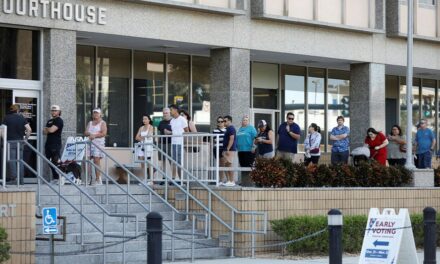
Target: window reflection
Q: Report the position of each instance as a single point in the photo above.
(113, 93)
(315, 100)
(428, 102)
(178, 80)
(201, 90)
(416, 102)
(85, 83)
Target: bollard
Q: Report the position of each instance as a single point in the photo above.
(335, 236)
(154, 242)
(430, 235)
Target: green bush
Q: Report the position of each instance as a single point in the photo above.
(4, 245)
(283, 173)
(353, 233)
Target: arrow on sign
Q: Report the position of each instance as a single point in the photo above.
(50, 230)
(380, 243)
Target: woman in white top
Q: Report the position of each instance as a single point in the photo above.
(96, 131)
(312, 144)
(144, 135)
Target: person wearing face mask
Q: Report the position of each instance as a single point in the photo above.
(377, 143)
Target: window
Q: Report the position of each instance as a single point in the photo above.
(416, 102)
(427, 2)
(316, 100)
(113, 68)
(178, 80)
(85, 86)
(265, 85)
(201, 87)
(19, 54)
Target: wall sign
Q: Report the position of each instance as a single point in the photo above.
(55, 10)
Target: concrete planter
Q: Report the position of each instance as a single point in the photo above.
(422, 178)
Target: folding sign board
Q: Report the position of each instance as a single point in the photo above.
(74, 151)
(388, 238)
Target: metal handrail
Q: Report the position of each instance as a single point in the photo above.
(82, 192)
(4, 136)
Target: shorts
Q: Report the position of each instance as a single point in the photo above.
(166, 148)
(228, 157)
(286, 155)
(176, 153)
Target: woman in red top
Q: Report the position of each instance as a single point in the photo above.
(377, 142)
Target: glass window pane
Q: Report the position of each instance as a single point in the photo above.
(113, 94)
(428, 102)
(85, 85)
(201, 91)
(19, 54)
(416, 103)
(178, 80)
(148, 85)
(265, 85)
(338, 99)
(294, 97)
(315, 100)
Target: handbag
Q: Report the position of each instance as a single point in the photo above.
(314, 151)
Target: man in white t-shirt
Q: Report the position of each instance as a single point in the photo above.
(179, 125)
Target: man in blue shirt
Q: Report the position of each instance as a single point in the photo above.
(425, 143)
(229, 149)
(288, 135)
(341, 144)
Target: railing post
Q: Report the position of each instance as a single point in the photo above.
(335, 236)
(430, 235)
(154, 243)
(4, 147)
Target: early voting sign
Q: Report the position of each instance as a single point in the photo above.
(50, 220)
(73, 151)
(388, 238)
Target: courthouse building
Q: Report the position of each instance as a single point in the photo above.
(317, 58)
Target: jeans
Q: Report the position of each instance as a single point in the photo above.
(176, 153)
(53, 154)
(424, 160)
(340, 157)
(13, 166)
(394, 162)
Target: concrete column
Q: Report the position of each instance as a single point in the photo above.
(230, 84)
(60, 77)
(367, 100)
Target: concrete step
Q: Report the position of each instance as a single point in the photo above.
(101, 198)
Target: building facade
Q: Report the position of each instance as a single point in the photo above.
(316, 58)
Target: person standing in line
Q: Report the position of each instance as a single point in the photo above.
(245, 141)
(396, 148)
(377, 142)
(179, 125)
(165, 142)
(144, 135)
(52, 148)
(341, 144)
(288, 135)
(96, 131)
(264, 140)
(220, 130)
(17, 129)
(312, 145)
(229, 149)
(191, 126)
(424, 145)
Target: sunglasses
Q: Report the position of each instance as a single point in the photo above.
(290, 118)
(220, 121)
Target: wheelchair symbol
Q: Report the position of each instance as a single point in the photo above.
(48, 219)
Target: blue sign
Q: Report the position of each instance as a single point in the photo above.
(376, 253)
(50, 221)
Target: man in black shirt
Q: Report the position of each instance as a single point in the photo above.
(53, 130)
(165, 143)
(17, 129)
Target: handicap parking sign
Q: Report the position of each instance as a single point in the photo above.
(50, 221)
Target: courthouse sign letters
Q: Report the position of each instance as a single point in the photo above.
(55, 10)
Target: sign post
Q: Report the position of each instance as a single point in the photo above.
(388, 238)
(50, 227)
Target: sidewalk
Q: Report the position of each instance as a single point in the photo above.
(346, 260)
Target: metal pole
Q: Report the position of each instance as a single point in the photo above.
(154, 243)
(430, 235)
(4, 144)
(409, 81)
(335, 236)
(52, 249)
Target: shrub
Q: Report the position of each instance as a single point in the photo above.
(353, 233)
(4, 245)
(283, 173)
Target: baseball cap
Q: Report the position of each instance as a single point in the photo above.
(55, 108)
(97, 110)
(262, 123)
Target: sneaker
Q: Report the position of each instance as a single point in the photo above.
(98, 181)
(54, 182)
(230, 184)
(150, 183)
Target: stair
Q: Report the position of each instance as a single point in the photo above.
(90, 251)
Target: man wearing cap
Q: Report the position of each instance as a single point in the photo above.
(53, 130)
(18, 128)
